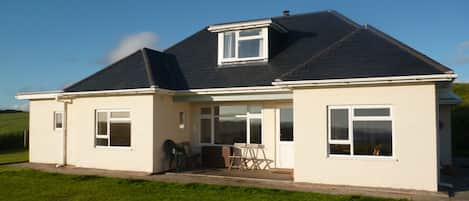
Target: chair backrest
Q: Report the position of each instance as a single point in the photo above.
(169, 147)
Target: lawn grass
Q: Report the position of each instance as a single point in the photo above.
(13, 156)
(26, 184)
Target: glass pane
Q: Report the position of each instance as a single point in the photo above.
(58, 120)
(372, 138)
(231, 110)
(255, 109)
(343, 149)
(120, 134)
(339, 124)
(205, 131)
(205, 110)
(255, 129)
(286, 124)
(229, 45)
(102, 123)
(120, 114)
(371, 112)
(250, 32)
(101, 141)
(230, 130)
(250, 48)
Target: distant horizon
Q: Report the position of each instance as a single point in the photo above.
(48, 45)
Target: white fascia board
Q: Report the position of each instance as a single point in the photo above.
(373, 80)
(245, 25)
(233, 90)
(150, 90)
(61, 94)
(37, 95)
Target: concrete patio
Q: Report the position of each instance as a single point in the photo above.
(273, 181)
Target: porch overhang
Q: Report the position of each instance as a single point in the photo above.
(233, 97)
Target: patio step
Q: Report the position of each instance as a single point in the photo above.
(281, 170)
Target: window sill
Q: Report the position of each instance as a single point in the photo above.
(113, 148)
(365, 158)
(237, 62)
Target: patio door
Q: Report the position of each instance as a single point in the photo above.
(285, 139)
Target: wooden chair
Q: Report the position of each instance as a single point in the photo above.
(238, 158)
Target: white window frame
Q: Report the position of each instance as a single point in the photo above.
(248, 116)
(264, 33)
(108, 127)
(55, 120)
(351, 118)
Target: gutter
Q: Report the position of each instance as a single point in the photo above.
(279, 86)
(364, 81)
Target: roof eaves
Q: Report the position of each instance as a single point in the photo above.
(410, 50)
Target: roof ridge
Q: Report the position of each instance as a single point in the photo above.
(345, 18)
(312, 58)
(99, 71)
(409, 49)
(148, 67)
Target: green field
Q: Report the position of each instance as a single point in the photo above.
(13, 156)
(12, 126)
(460, 121)
(25, 184)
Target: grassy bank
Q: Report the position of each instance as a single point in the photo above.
(13, 156)
(12, 126)
(24, 184)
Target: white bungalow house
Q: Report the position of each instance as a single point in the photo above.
(335, 101)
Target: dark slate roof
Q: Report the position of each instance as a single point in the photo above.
(320, 45)
(366, 52)
(127, 73)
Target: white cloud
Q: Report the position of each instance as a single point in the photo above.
(130, 44)
(462, 54)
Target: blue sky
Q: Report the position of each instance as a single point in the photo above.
(46, 45)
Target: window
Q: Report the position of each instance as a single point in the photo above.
(112, 128)
(360, 130)
(243, 45)
(181, 120)
(58, 120)
(229, 124)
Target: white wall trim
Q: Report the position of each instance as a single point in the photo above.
(37, 95)
(372, 80)
(279, 86)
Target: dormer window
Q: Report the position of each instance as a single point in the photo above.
(243, 45)
(244, 42)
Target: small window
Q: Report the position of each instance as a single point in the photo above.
(181, 120)
(58, 120)
(243, 45)
(366, 132)
(113, 128)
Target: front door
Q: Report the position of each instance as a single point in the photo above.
(285, 144)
